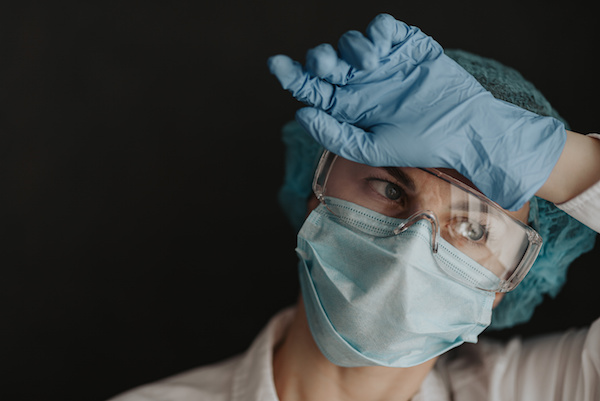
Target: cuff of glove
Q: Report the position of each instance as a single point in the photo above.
(585, 207)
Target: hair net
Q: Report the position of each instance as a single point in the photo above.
(565, 238)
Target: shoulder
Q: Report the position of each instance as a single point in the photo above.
(541, 368)
(248, 376)
(211, 382)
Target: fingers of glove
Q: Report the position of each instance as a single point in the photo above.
(385, 31)
(310, 90)
(323, 62)
(358, 51)
(343, 139)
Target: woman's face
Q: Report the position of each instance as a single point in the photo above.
(400, 192)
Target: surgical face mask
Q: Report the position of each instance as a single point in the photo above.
(373, 299)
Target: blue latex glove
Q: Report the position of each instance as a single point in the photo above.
(393, 98)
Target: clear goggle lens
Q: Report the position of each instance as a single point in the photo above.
(464, 218)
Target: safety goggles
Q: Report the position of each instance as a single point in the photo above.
(460, 217)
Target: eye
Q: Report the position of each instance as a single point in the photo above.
(387, 189)
(469, 230)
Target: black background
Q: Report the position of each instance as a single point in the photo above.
(140, 161)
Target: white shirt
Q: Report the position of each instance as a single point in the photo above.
(563, 366)
(556, 367)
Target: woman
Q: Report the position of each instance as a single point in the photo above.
(400, 265)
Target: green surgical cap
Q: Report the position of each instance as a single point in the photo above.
(565, 239)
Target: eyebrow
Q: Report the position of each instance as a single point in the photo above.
(402, 177)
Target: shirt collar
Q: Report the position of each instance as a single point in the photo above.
(253, 377)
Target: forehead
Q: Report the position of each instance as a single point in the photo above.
(419, 181)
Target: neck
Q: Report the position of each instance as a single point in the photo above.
(301, 372)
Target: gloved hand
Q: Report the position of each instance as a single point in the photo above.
(393, 98)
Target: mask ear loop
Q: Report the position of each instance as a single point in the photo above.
(423, 215)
